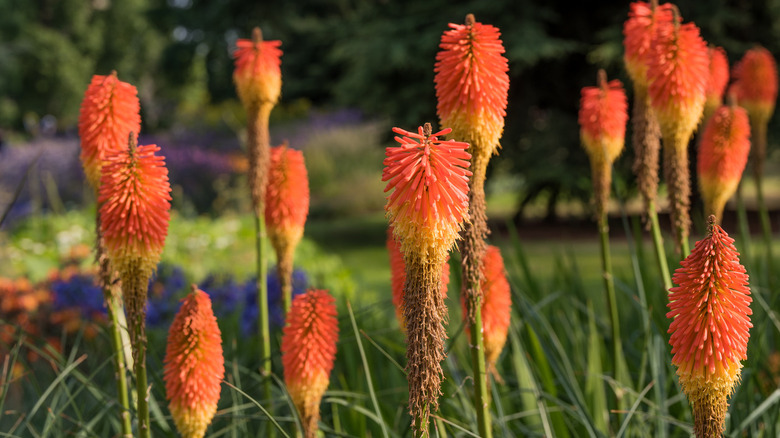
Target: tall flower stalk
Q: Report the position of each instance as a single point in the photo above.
(287, 205)
(308, 353)
(109, 113)
(194, 365)
(472, 85)
(134, 201)
(639, 29)
(756, 91)
(603, 115)
(710, 326)
(677, 73)
(427, 207)
(723, 154)
(258, 80)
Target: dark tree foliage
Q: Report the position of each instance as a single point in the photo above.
(376, 55)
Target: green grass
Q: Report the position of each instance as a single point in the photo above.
(556, 365)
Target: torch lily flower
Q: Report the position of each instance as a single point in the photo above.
(719, 78)
(194, 365)
(258, 74)
(723, 154)
(287, 205)
(429, 179)
(308, 353)
(710, 327)
(109, 112)
(602, 117)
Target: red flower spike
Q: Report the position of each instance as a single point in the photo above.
(287, 195)
(257, 74)
(602, 117)
(194, 365)
(756, 75)
(429, 178)
(677, 73)
(308, 353)
(723, 154)
(135, 207)
(398, 277)
(472, 84)
(109, 112)
(719, 78)
(710, 326)
(638, 32)
(496, 306)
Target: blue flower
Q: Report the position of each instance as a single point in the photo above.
(167, 284)
(275, 303)
(78, 291)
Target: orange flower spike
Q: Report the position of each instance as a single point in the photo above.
(710, 327)
(677, 73)
(287, 205)
(723, 154)
(429, 179)
(194, 365)
(472, 84)
(135, 207)
(109, 112)
(719, 78)
(638, 30)
(308, 353)
(258, 74)
(603, 115)
(398, 277)
(756, 75)
(496, 306)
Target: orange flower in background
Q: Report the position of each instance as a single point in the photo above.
(194, 365)
(496, 306)
(603, 115)
(638, 32)
(109, 112)
(710, 327)
(677, 73)
(429, 179)
(287, 196)
(135, 208)
(719, 78)
(308, 353)
(723, 154)
(756, 74)
(257, 74)
(398, 277)
(472, 83)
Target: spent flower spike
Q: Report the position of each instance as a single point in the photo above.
(109, 112)
(723, 154)
(710, 326)
(398, 277)
(308, 353)
(194, 365)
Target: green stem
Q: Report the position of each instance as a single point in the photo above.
(766, 225)
(609, 288)
(114, 308)
(140, 378)
(744, 226)
(262, 304)
(658, 243)
(481, 400)
(758, 128)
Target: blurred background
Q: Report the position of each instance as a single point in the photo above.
(351, 70)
